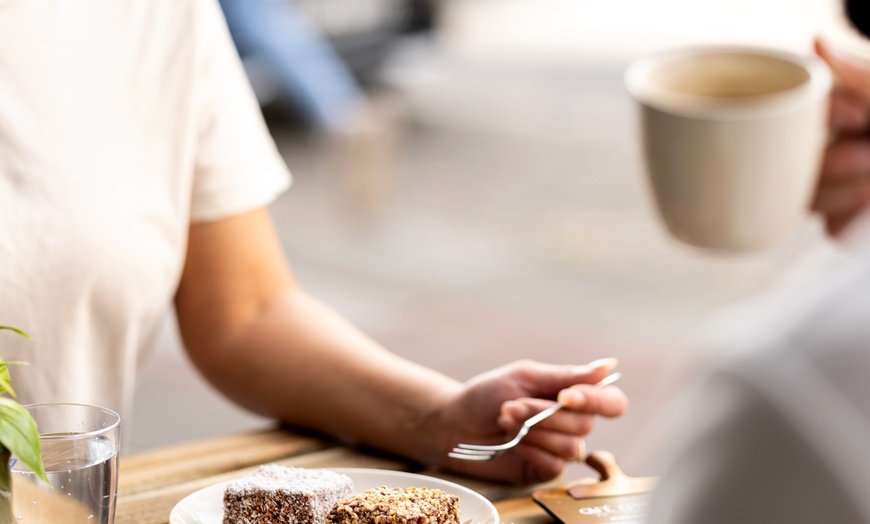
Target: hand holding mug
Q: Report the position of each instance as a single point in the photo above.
(844, 184)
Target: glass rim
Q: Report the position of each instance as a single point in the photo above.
(116, 422)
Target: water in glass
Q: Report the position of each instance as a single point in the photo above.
(82, 472)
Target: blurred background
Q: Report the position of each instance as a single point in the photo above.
(503, 212)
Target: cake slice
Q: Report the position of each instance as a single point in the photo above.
(277, 494)
(397, 506)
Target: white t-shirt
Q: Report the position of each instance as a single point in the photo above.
(779, 430)
(121, 122)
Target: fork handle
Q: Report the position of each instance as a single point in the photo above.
(606, 381)
(531, 421)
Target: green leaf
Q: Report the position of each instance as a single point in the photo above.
(5, 378)
(15, 329)
(19, 434)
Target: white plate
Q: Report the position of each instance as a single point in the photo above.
(206, 505)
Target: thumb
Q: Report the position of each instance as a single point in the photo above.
(594, 371)
(557, 378)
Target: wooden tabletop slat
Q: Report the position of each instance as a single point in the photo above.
(175, 464)
(344, 458)
(522, 510)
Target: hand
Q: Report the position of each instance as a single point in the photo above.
(493, 406)
(844, 185)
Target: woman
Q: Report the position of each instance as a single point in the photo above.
(135, 174)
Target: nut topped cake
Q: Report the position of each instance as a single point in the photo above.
(277, 494)
(397, 506)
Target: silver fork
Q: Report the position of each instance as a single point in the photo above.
(482, 452)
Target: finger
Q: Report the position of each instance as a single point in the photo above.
(851, 72)
(546, 380)
(843, 199)
(515, 412)
(565, 446)
(610, 401)
(538, 464)
(848, 113)
(847, 158)
(838, 226)
(589, 373)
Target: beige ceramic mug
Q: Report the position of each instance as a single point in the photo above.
(733, 139)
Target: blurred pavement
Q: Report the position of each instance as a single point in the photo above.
(517, 223)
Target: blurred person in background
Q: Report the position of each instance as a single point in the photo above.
(778, 431)
(293, 65)
(288, 58)
(135, 175)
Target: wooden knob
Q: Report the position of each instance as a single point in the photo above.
(604, 462)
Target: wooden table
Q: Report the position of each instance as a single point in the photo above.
(152, 482)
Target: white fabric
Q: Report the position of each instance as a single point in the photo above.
(778, 432)
(121, 122)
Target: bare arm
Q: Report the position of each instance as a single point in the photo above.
(269, 346)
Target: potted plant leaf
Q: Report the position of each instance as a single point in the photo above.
(19, 436)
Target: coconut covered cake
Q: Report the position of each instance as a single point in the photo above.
(277, 494)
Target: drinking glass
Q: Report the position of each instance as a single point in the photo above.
(80, 445)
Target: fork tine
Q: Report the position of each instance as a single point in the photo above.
(476, 447)
(465, 451)
(463, 456)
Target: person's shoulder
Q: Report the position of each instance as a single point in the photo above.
(814, 350)
(834, 314)
(821, 318)
(822, 310)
